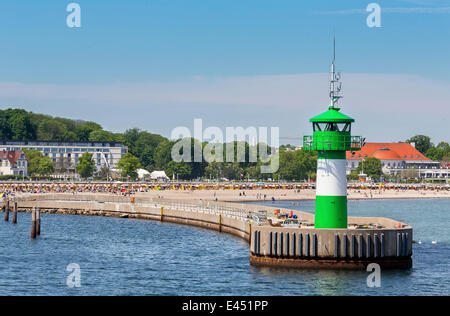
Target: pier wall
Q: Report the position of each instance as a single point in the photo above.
(306, 247)
(211, 217)
(331, 248)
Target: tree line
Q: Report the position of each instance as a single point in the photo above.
(153, 152)
(145, 150)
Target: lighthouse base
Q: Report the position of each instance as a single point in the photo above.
(338, 264)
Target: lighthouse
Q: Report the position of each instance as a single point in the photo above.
(332, 244)
(332, 139)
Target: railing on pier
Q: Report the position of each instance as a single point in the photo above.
(200, 207)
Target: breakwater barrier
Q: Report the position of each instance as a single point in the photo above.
(369, 240)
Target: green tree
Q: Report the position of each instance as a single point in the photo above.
(86, 166)
(70, 136)
(422, 143)
(253, 172)
(101, 136)
(162, 155)
(214, 170)
(439, 152)
(45, 166)
(34, 157)
(38, 163)
(130, 137)
(446, 158)
(104, 173)
(84, 130)
(20, 125)
(353, 175)
(289, 166)
(232, 171)
(118, 137)
(51, 129)
(296, 165)
(182, 170)
(145, 147)
(371, 166)
(128, 165)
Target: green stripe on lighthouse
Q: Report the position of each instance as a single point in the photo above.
(331, 212)
(331, 155)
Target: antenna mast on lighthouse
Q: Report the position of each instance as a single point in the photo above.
(335, 84)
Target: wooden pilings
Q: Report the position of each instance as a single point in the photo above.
(35, 217)
(14, 219)
(33, 223)
(38, 222)
(6, 207)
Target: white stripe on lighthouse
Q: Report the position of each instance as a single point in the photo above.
(331, 177)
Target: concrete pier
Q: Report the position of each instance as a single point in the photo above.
(389, 244)
(332, 248)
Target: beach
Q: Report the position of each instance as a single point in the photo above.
(227, 192)
(284, 194)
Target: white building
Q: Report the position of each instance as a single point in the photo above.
(397, 158)
(13, 163)
(65, 155)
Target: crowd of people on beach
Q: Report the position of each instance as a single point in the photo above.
(133, 188)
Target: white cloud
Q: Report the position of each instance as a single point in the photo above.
(385, 105)
(284, 91)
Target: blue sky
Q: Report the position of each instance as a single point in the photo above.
(159, 64)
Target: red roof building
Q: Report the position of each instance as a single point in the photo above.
(394, 157)
(13, 162)
(388, 151)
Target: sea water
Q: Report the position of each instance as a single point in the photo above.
(135, 257)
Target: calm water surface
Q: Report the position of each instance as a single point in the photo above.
(131, 257)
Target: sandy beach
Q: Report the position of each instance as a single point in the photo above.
(224, 193)
(281, 194)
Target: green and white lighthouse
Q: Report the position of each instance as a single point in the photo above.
(331, 139)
